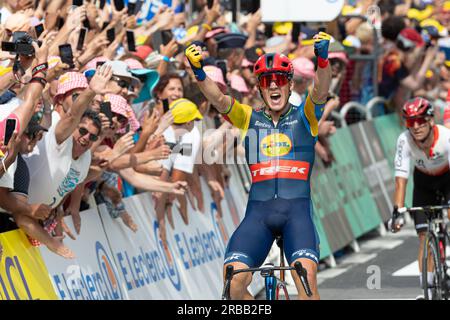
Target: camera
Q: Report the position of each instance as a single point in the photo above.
(185, 149)
(21, 44)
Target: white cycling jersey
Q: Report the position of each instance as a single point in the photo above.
(434, 164)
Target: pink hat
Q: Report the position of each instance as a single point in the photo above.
(338, 55)
(303, 67)
(70, 81)
(215, 74)
(93, 63)
(133, 64)
(238, 83)
(120, 106)
(143, 51)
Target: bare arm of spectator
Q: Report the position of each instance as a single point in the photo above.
(11, 149)
(74, 206)
(74, 19)
(415, 81)
(330, 106)
(148, 183)
(11, 203)
(153, 168)
(70, 121)
(26, 110)
(169, 50)
(149, 126)
(132, 160)
(352, 24)
(252, 25)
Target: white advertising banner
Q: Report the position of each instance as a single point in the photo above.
(300, 10)
(93, 274)
(112, 262)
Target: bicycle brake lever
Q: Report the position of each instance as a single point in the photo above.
(303, 274)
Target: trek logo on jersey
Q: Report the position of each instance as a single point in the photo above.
(281, 169)
(276, 145)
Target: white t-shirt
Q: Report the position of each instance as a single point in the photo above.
(53, 171)
(178, 161)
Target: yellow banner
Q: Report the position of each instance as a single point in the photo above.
(23, 274)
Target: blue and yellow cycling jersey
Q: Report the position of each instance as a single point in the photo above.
(281, 156)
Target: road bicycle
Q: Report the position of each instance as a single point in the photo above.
(435, 249)
(273, 284)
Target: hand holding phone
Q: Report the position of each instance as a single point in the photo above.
(80, 43)
(131, 41)
(9, 130)
(39, 29)
(65, 52)
(119, 5)
(105, 108)
(111, 35)
(165, 105)
(131, 8)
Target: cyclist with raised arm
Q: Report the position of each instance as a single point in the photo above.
(279, 140)
(428, 146)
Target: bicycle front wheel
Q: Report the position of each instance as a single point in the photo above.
(431, 253)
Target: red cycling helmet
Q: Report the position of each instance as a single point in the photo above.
(417, 108)
(273, 62)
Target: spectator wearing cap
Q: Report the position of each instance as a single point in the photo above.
(180, 165)
(303, 77)
(122, 81)
(148, 80)
(230, 47)
(63, 158)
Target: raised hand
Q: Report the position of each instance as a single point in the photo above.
(100, 79)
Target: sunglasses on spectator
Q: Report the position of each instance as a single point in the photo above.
(123, 83)
(83, 131)
(280, 79)
(420, 121)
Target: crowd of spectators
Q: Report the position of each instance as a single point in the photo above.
(121, 120)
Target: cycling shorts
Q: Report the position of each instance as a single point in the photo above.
(425, 194)
(264, 221)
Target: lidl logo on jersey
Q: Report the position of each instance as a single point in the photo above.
(276, 145)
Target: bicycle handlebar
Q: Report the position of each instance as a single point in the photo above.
(302, 273)
(425, 208)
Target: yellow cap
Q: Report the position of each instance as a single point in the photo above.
(429, 74)
(184, 110)
(446, 6)
(432, 23)
(420, 15)
(140, 40)
(282, 27)
(5, 70)
(347, 9)
(192, 31)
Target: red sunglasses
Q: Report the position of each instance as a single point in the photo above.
(420, 121)
(280, 79)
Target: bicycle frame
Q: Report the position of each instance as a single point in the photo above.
(437, 234)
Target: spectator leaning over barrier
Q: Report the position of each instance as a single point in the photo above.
(64, 157)
(22, 112)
